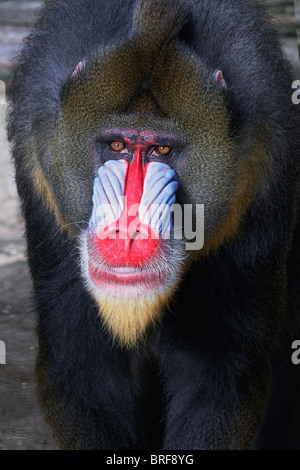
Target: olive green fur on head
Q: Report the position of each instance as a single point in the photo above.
(153, 80)
(119, 88)
(117, 81)
(159, 21)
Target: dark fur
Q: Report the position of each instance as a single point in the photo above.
(217, 372)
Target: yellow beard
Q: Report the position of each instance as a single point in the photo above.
(127, 319)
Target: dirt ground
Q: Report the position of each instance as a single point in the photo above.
(21, 422)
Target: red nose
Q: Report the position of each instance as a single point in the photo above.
(128, 241)
(122, 248)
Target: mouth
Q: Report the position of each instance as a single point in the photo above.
(101, 274)
(117, 279)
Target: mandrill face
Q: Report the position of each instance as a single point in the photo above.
(130, 260)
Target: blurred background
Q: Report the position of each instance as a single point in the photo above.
(21, 422)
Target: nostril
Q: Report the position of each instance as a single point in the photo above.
(136, 234)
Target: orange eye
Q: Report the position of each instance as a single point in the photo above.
(163, 150)
(117, 146)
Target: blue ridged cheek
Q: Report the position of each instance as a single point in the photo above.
(158, 197)
(108, 192)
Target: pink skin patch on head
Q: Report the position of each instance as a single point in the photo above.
(79, 68)
(218, 77)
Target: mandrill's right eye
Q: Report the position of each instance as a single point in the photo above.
(117, 146)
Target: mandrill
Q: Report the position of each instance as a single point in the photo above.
(156, 149)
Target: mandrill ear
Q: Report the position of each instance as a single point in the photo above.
(218, 77)
(79, 68)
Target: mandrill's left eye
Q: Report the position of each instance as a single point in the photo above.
(161, 151)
